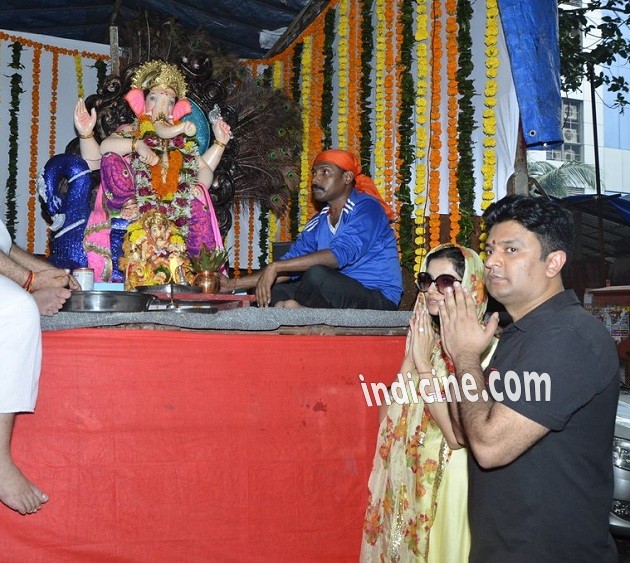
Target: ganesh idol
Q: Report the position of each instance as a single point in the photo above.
(152, 165)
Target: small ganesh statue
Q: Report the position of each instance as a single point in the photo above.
(154, 253)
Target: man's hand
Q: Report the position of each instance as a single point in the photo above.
(267, 278)
(54, 277)
(226, 284)
(51, 299)
(463, 338)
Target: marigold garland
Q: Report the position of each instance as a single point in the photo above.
(272, 220)
(236, 227)
(250, 237)
(52, 138)
(380, 97)
(396, 108)
(435, 140)
(164, 186)
(51, 48)
(354, 62)
(305, 98)
(32, 170)
(343, 31)
(78, 67)
(490, 91)
(421, 110)
(488, 168)
(391, 91)
(171, 194)
(278, 74)
(287, 69)
(452, 112)
(16, 90)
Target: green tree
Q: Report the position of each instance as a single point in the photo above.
(607, 42)
(556, 180)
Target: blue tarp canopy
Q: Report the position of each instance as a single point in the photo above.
(235, 26)
(241, 26)
(531, 35)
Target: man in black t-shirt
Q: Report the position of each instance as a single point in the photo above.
(541, 432)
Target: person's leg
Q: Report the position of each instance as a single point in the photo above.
(327, 288)
(20, 363)
(281, 292)
(288, 304)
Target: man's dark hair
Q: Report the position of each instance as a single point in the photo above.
(551, 223)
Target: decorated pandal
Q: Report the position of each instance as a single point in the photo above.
(196, 432)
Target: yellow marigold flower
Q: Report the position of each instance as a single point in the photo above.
(137, 235)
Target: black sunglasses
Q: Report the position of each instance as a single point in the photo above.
(441, 282)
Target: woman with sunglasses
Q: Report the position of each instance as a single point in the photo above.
(417, 508)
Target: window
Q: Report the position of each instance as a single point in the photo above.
(571, 150)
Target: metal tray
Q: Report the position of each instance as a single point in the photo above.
(107, 302)
(173, 291)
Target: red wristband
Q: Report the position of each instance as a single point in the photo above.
(28, 281)
(31, 281)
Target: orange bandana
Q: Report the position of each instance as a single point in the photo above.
(348, 162)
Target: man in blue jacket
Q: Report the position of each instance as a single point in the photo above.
(346, 257)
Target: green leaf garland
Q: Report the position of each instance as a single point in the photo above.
(11, 185)
(294, 223)
(367, 49)
(327, 93)
(101, 73)
(465, 124)
(406, 130)
(263, 242)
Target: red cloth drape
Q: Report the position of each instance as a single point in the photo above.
(188, 446)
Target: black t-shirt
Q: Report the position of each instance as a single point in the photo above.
(552, 503)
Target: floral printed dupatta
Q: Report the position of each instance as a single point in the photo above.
(413, 467)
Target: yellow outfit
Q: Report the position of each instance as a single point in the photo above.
(418, 490)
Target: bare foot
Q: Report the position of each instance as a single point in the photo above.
(17, 492)
(289, 304)
(50, 299)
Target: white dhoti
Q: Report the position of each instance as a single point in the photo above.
(20, 343)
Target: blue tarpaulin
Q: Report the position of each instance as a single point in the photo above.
(531, 33)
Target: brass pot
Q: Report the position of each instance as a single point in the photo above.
(208, 281)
